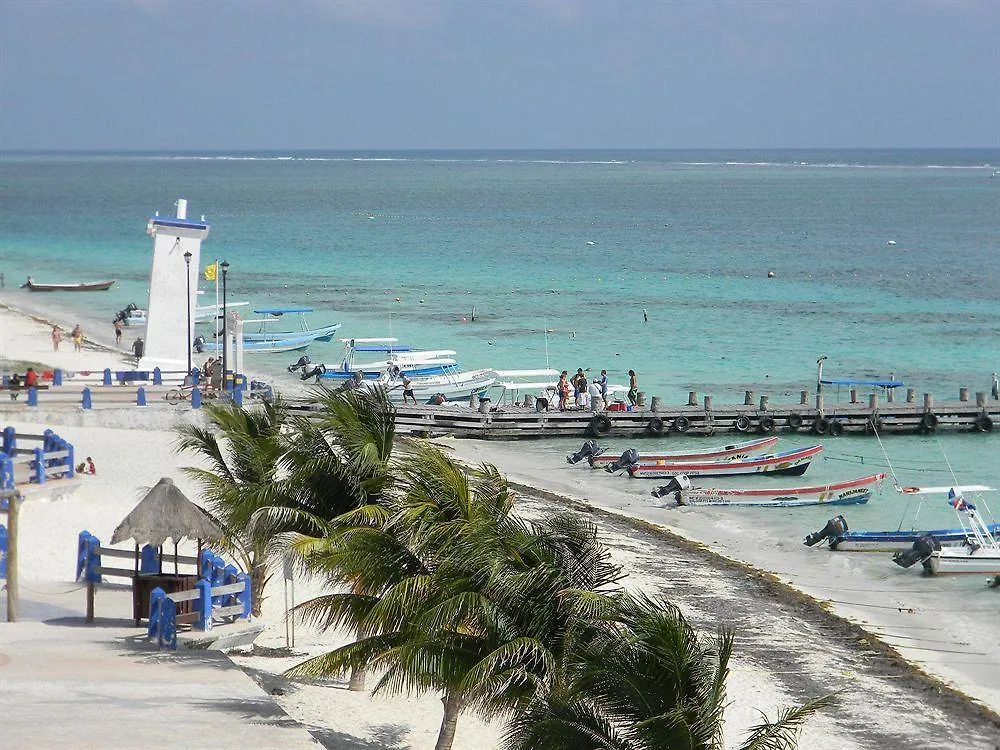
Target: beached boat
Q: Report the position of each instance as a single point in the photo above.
(266, 330)
(598, 458)
(841, 538)
(788, 463)
(92, 286)
(979, 551)
(852, 492)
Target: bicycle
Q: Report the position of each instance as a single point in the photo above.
(176, 395)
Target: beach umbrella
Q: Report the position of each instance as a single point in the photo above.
(165, 512)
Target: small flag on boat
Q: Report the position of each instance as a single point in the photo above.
(211, 271)
(958, 502)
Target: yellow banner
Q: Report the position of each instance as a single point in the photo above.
(211, 271)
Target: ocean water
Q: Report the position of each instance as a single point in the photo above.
(884, 261)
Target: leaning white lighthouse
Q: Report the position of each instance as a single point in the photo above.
(173, 280)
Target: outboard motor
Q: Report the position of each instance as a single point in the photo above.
(587, 450)
(316, 372)
(920, 551)
(300, 365)
(676, 485)
(626, 460)
(199, 344)
(834, 528)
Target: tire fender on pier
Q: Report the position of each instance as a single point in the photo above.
(600, 425)
(795, 420)
(655, 426)
(821, 426)
(929, 422)
(742, 424)
(682, 423)
(836, 428)
(984, 423)
(766, 424)
(873, 424)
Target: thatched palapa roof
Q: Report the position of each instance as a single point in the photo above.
(165, 513)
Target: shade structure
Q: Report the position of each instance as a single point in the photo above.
(166, 513)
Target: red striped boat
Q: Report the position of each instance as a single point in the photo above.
(738, 450)
(852, 492)
(790, 463)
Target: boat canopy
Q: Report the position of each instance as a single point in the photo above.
(282, 310)
(385, 348)
(862, 381)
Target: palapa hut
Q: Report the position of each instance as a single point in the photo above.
(164, 513)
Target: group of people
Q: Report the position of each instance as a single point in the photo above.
(585, 392)
(86, 467)
(76, 335)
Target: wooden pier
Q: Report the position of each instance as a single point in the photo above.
(856, 417)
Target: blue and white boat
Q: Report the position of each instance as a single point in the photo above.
(267, 331)
(274, 346)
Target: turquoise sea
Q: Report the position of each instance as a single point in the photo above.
(884, 261)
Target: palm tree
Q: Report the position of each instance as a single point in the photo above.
(643, 679)
(450, 592)
(243, 449)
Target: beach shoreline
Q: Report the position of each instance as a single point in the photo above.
(764, 677)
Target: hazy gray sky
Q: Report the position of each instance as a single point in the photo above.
(388, 74)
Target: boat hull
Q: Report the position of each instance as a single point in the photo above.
(890, 541)
(323, 333)
(727, 451)
(788, 463)
(961, 559)
(855, 492)
(97, 286)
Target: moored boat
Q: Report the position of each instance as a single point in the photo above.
(843, 539)
(736, 450)
(851, 492)
(267, 332)
(87, 286)
(790, 463)
(978, 552)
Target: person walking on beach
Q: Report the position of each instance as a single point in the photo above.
(56, 338)
(138, 347)
(118, 333)
(77, 336)
(633, 388)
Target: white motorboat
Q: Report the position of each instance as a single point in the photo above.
(979, 552)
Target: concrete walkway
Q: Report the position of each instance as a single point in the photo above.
(66, 683)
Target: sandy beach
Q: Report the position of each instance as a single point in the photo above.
(909, 674)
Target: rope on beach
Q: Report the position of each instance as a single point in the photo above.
(908, 610)
(49, 593)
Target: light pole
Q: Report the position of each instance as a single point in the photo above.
(225, 327)
(187, 300)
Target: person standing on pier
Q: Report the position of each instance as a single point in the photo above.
(633, 388)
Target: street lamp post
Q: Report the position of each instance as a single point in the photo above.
(187, 300)
(224, 266)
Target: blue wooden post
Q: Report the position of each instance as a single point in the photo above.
(168, 624)
(157, 376)
(86, 402)
(107, 376)
(156, 598)
(246, 595)
(6, 472)
(48, 440)
(204, 587)
(5, 378)
(32, 396)
(206, 564)
(57, 377)
(231, 572)
(140, 396)
(3, 552)
(195, 376)
(238, 396)
(219, 578)
(82, 552)
(38, 465)
(149, 560)
(9, 440)
(92, 563)
(195, 399)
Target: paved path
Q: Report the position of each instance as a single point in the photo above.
(64, 683)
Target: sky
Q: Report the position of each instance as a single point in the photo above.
(536, 74)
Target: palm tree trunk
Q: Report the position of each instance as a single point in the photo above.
(258, 577)
(449, 722)
(358, 673)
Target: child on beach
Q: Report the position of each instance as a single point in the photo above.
(77, 338)
(56, 338)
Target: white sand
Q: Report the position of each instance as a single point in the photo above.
(133, 448)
